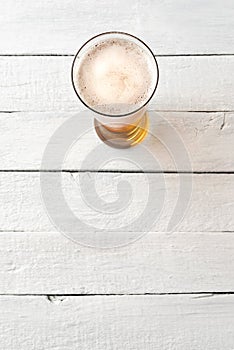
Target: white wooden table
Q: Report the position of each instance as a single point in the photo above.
(165, 291)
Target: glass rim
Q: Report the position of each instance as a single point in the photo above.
(106, 114)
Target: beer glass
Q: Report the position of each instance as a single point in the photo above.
(125, 124)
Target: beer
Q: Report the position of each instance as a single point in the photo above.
(115, 75)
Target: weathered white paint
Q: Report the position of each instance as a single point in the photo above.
(211, 204)
(206, 137)
(118, 322)
(49, 263)
(186, 83)
(169, 27)
(184, 262)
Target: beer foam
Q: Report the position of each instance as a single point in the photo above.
(115, 75)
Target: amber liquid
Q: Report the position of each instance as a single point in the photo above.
(125, 135)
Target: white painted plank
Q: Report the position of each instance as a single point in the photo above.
(210, 208)
(49, 263)
(207, 138)
(169, 27)
(186, 83)
(120, 322)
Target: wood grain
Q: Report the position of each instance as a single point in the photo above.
(49, 263)
(103, 323)
(185, 83)
(206, 138)
(210, 208)
(169, 27)
(194, 45)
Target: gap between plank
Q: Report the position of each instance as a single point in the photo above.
(72, 171)
(198, 294)
(149, 110)
(156, 232)
(73, 54)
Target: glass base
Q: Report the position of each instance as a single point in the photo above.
(125, 137)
